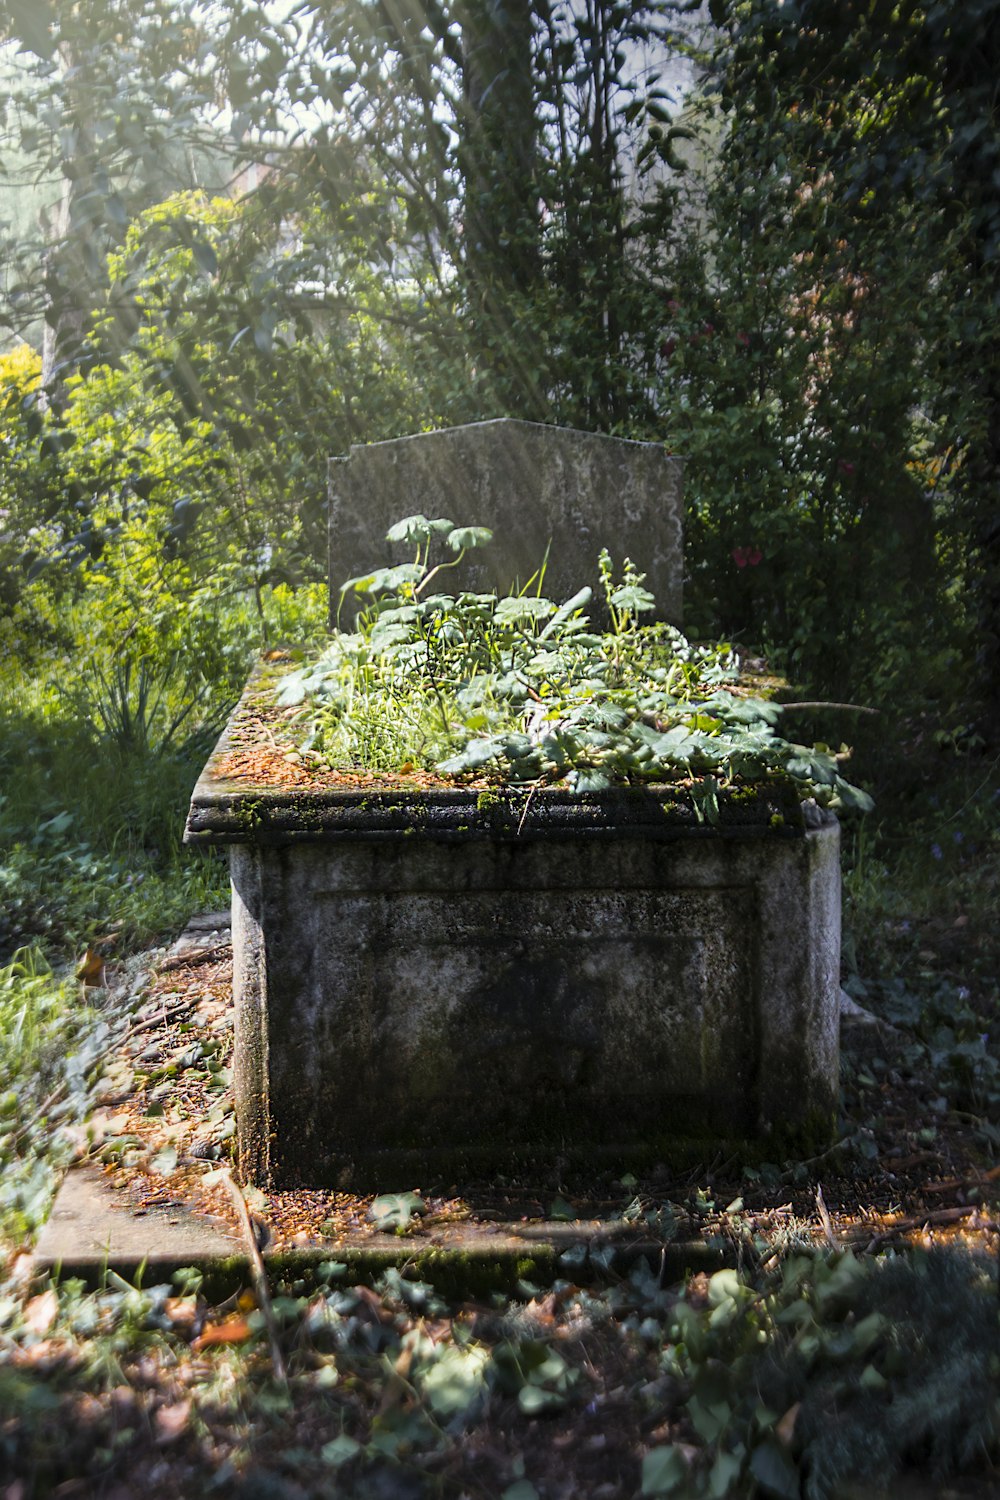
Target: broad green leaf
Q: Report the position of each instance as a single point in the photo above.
(512, 611)
(707, 1420)
(464, 538)
(634, 598)
(774, 1472)
(415, 530)
(205, 257)
(664, 1470)
(724, 1474)
(579, 601)
(853, 797)
(456, 1381)
(589, 780)
(384, 580)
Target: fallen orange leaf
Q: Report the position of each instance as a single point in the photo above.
(41, 1312)
(232, 1331)
(785, 1430)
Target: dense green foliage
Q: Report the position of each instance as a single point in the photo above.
(863, 150)
(482, 210)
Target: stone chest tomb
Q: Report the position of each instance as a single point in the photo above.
(431, 980)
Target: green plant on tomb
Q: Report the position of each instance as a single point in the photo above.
(525, 690)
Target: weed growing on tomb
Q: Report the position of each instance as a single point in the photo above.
(527, 690)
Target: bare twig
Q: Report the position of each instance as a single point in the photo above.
(924, 1221)
(961, 1184)
(198, 956)
(162, 1017)
(824, 1217)
(259, 1274)
(527, 804)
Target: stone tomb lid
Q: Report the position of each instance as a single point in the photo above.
(256, 789)
(552, 494)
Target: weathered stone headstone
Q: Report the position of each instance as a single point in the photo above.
(542, 490)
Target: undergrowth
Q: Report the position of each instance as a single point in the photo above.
(781, 1385)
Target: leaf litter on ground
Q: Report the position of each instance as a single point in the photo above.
(612, 1387)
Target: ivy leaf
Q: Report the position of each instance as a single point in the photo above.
(456, 1383)
(852, 796)
(724, 1474)
(340, 1450)
(396, 1211)
(205, 257)
(477, 753)
(535, 1400)
(164, 1161)
(774, 1472)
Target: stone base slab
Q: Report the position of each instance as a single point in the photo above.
(92, 1231)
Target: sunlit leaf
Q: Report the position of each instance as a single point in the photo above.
(396, 1210)
(464, 538)
(340, 1450)
(415, 530)
(456, 1381)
